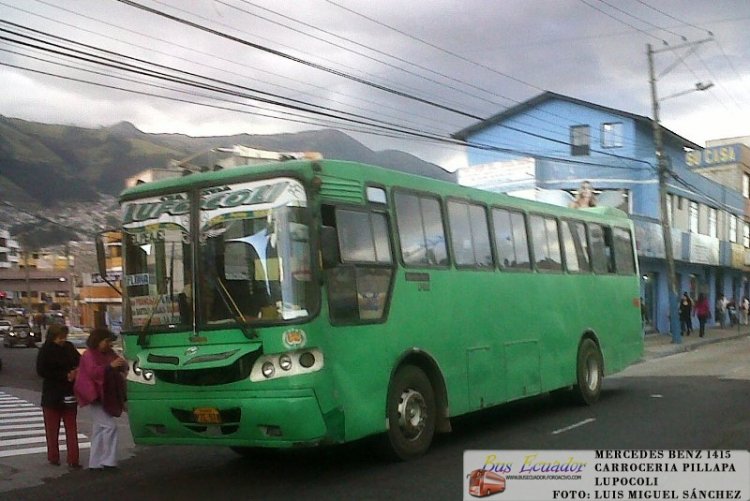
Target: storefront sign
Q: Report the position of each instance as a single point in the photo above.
(715, 155)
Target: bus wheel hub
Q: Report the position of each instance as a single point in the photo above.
(411, 413)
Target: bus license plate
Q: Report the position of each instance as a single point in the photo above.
(207, 415)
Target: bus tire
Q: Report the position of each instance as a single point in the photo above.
(411, 414)
(589, 373)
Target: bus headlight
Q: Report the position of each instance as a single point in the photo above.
(268, 369)
(291, 363)
(140, 375)
(285, 362)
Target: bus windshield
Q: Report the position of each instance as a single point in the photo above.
(254, 253)
(253, 258)
(156, 242)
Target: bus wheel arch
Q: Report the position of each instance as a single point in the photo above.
(429, 366)
(413, 408)
(589, 370)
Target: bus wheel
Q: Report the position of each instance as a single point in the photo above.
(411, 413)
(590, 373)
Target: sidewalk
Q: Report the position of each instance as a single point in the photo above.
(659, 345)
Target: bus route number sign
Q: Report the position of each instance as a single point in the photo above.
(207, 415)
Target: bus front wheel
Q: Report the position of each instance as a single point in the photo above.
(590, 372)
(411, 413)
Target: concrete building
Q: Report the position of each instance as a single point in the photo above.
(10, 250)
(547, 146)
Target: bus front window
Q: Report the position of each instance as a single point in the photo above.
(157, 263)
(255, 253)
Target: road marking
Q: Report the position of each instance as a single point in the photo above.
(22, 425)
(573, 426)
(657, 395)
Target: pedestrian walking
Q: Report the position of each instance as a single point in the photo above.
(685, 310)
(57, 364)
(101, 385)
(703, 312)
(744, 310)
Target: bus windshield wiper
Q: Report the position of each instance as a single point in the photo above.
(235, 310)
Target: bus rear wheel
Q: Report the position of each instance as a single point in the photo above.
(411, 413)
(590, 372)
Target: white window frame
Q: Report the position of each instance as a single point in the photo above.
(713, 222)
(693, 216)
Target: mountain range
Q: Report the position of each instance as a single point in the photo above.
(46, 165)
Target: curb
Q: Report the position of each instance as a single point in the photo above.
(686, 347)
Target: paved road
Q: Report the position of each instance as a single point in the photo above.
(697, 399)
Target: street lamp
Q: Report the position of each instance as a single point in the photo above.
(663, 169)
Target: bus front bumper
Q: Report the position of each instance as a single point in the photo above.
(249, 419)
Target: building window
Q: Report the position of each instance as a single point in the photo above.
(746, 185)
(670, 202)
(693, 217)
(680, 204)
(712, 222)
(732, 228)
(580, 139)
(746, 235)
(612, 135)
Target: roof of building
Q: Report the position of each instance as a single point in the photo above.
(547, 96)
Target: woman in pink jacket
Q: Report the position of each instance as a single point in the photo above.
(100, 364)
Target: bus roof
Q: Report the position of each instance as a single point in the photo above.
(364, 174)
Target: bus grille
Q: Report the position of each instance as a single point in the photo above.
(237, 371)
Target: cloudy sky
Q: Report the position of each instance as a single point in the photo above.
(388, 72)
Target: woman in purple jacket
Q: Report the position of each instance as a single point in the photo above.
(98, 364)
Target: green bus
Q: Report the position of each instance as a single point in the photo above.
(317, 302)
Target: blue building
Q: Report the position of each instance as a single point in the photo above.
(550, 144)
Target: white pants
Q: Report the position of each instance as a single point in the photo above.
(103, 438)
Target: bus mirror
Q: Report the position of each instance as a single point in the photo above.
(329, 247)
(101, 257)
(108, 254)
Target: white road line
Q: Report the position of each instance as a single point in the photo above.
(38, 419)
(20, 413)
(21, 433)
(572, 426)
(38, 450)
(32, 440)
(23, 426)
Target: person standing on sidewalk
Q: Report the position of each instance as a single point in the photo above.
(703, 312)
(685, 310)
(99, 366)
(57, 364)
(721, 310)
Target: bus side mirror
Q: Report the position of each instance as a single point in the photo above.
(105, 242)
(329, 247)
(101, 257)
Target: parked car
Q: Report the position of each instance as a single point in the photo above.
(21, 334)
(5, 326)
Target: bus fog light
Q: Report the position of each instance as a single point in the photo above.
(285, 362)
(307, 360)
(148, 375)
(137, 368)
(268, 369)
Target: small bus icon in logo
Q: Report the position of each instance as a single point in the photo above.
(485, 483)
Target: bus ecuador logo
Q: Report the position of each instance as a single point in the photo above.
(484, 483)
(294, 338)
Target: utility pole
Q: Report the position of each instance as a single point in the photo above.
(666, 227)
(664, 170)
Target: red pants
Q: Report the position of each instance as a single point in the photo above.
(52, 417)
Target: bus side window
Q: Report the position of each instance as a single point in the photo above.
(420, 230)
(546, 243)
(602, 255)
(470, 238)
(575, 246)
(623, 245)
(511, 240)
(358, 288)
